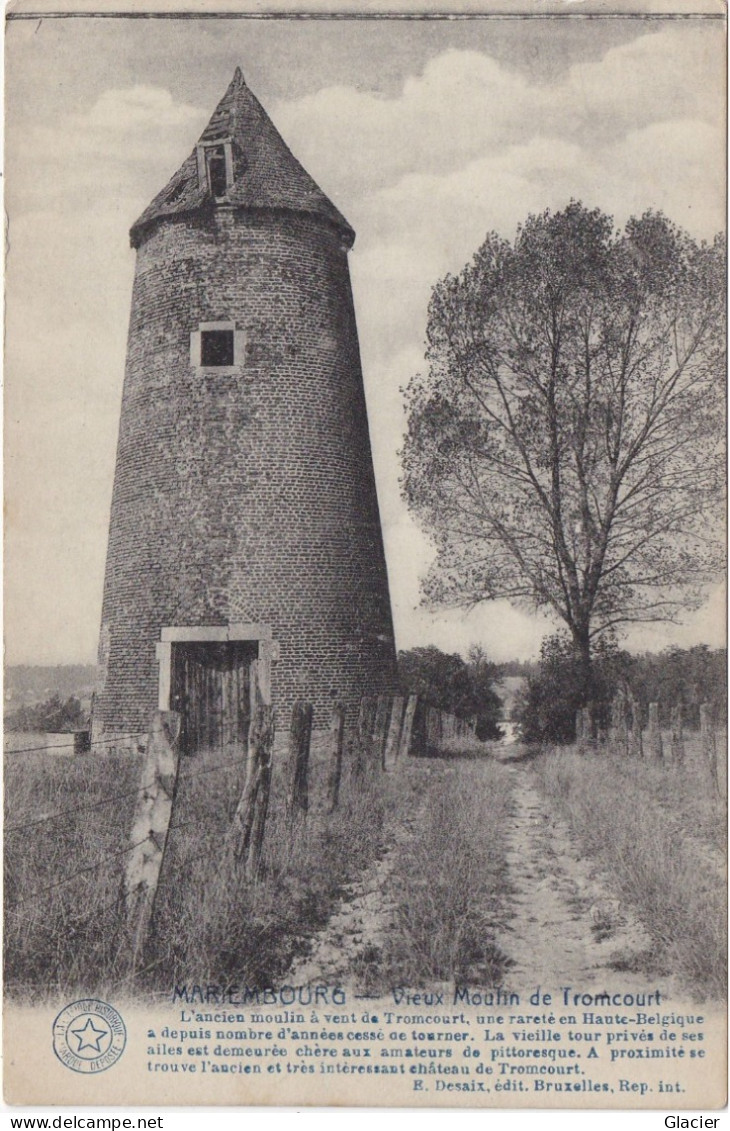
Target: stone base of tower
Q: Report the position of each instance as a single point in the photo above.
(203, 672)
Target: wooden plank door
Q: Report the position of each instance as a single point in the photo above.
(211, 691)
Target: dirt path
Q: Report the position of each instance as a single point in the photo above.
(567, 926)
(346, 951)
(564, 925)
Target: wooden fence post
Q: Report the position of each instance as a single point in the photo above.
(587, 730)
(392, 743)
(619, 738)
(429, 727)
(151, 825)
(579, 730)
(583, 730)
(406, 736)
(677, 735)
(635, 743)
(259, 691)
(362, 739)
(337, 738)
(246, 832)
(709, 746)
(300, 737)
(380, 731)
(654, 734)
(439, 736)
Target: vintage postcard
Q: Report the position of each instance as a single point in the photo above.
(365, 695)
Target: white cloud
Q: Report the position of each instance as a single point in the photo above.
(673, 73)
(462, 103)
(676, 166)
(704, 626)
(504, 632)
(129, 142)
(134, 110)
(465, 106)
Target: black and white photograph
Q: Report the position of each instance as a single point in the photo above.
(365, 693)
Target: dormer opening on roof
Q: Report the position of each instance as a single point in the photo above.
(215, 168)
(240, 159)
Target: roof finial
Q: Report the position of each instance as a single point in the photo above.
(238, 76)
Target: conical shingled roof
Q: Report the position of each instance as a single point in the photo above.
(265, 172)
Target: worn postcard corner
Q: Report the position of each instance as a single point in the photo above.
(365, 720)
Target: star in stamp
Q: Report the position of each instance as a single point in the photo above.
(89, 1036)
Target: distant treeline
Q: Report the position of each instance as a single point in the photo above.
(690, 676)
(546, 708)
(522, 668)
(465, 688)
(53, 716)
(33, 683)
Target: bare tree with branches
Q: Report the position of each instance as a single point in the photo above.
(566, 447)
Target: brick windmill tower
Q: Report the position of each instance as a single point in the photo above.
(244, 518)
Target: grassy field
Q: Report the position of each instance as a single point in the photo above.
(65, 931)
(56, 932)
(659, 831)
(449, 883)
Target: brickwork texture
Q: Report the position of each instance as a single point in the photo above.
(245, 493)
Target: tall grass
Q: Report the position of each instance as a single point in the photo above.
(449, 882)
(686, 793)
(235, 930)
(210, 924)
(59, 927)
(633, 817)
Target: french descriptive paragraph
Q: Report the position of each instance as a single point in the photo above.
(456, 1041)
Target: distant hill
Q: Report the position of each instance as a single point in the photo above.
(30, 683)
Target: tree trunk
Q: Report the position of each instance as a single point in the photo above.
(582, 642)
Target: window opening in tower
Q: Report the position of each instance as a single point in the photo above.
(216, 347)
(217, 175)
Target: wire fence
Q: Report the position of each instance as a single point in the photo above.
(374, 723)
(106, 741)
(31, 825)
(79, 872)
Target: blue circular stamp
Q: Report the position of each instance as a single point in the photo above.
(89, 1036)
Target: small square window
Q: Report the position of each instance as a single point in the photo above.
(216, 347)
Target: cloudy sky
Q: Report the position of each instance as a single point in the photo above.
(425, 135)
